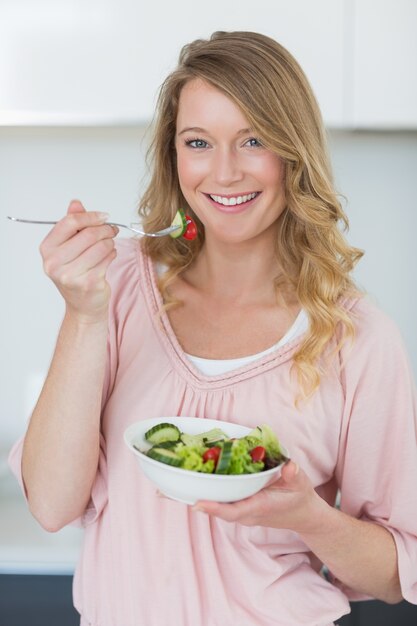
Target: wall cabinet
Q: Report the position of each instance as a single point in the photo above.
(384, 64)
(70, 62)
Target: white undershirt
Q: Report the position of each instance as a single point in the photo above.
(214, 367)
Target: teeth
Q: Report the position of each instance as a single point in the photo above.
(235, 200)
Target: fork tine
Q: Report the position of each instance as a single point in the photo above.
(163, 232)
(158, 233)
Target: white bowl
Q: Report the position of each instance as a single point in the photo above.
(188, 486)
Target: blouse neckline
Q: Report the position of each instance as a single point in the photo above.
(181, 362)
(299, 326)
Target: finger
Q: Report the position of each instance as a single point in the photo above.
(224, 511)
(75, 206)
(94, 280)
(88, 262)
(99, 271)
(289, 473)
(161, 495)
(71, 224)
(290, 479)
(82, 241)
(229, 512)
(57, 259)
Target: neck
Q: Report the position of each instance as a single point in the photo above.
(242, 272)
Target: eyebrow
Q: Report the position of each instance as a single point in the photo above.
(197, 129)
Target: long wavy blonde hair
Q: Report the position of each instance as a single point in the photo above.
(270, 88)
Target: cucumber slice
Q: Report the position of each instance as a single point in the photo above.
(164, 456)
(213, 437)
(208, 438)
(179, 220)
(225, 458)
(214, 444)
(162, 433)
(191, 440)
(167, 444)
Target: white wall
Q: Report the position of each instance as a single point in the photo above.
(42, 169)
(377, 173)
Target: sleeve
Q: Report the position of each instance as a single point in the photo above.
(377, 464)
(122, 276)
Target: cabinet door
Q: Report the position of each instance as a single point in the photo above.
(384, 91)
(102, 61)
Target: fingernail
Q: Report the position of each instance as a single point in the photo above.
(297, 469)
(198, 508)
(103, 216)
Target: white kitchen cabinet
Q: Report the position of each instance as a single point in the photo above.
(102, 61)
(384, 72)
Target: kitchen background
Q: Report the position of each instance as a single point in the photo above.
(78, 82)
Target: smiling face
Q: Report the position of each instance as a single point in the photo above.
(233, 184)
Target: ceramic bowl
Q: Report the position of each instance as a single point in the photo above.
(188, 486)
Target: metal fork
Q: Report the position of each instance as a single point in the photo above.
(132, 227)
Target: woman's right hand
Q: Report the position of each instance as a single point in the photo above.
(76, 254)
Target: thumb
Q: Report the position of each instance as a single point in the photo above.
(75, 206)
(289, 472)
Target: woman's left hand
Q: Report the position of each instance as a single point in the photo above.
(289, 502)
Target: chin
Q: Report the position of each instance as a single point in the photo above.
(232, 236)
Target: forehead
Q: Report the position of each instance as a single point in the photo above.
(203, 105)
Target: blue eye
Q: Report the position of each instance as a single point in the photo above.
(196, 143)
(253, 142)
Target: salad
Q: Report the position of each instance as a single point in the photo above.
(213, 452)
(186, 226)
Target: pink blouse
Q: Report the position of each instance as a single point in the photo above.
(150, 561)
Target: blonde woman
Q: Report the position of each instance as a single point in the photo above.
(256, 320)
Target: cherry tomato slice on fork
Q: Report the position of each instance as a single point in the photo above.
(191, 231)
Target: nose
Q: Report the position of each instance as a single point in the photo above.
(227, 168)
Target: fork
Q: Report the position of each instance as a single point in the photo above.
(132, 227)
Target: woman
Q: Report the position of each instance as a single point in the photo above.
(257, 320)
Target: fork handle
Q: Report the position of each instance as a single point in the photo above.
(18, 219)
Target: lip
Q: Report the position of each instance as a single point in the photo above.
(232, 209)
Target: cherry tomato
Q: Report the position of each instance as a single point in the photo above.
(212, 453)
(258, 454)
(191, 232)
